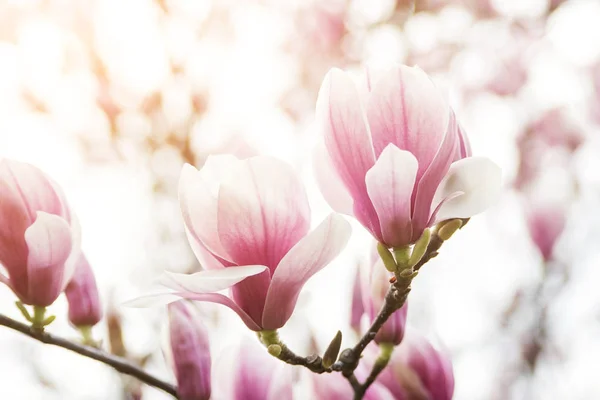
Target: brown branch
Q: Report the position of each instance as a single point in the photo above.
(118, 363)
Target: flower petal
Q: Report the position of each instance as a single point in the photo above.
(430, 181)
(346, 132)
(342, 118)
(407, 109)
(332, 187)
(209, 281)
(305, 259)
(152, 300)
(35, 189)
(480, 181)
(198, 201)
(390, 184)
(49, 242)
(227, 302)
(262, 211)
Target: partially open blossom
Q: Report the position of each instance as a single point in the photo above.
(85, 308)
(253, 374)
(39, 237)
(191, 353)
(248, 224)
(375, 281)
(546, 223)
(395, 157)
(357, 309)
(418, 371)
(335, 386)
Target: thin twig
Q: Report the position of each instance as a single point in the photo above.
(118, 363)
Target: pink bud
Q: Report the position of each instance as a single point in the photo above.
(395, 157)
(335, 386)
(256, 375)
(545, 223)
(358, 309)
(39, 237)
(191, 353)
(375, 286)
(85, 308)
(418, 370)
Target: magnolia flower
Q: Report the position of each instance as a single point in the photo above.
(250, 373)
(190, 353)
(39, 237)
(335, 386)
(418, 371)
(248, 224)
(395, 157)
(546, 223)
(85, 309)
(374, 279)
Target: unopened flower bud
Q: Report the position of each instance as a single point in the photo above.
(191, 353)
(418, 370)
(330, 355)
(85, 308)
(545, 223)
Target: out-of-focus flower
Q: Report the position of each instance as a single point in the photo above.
(191, 353)
(256, 375)
(335, 386)
(375, 281)
(546, 223)
(401, 160)
(85, 308)
(418, 371)
(39, 237)
(357, 308)
(248, 223)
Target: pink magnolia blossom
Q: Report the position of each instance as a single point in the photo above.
(85, 308)
(253, 374)
(190, 353)
(39, 237)
(248, 224)
(418, 371)
(334, 386)
(375, 284)
(546, 223)
(395, 157)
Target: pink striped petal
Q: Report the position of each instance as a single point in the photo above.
(342, 118)
(34, 188)
(330, 184)
(198, 201)
(429, 182)
(206, 259)
(262, 211)
(346, 131)
(49, 242)
(251, 294)
(390, 184)
(479, 179)
(305, 259)
(227, 302)
(209, 281)
(406, 109)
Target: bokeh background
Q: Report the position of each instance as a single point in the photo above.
(111, 97)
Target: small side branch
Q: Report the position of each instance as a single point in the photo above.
(118, 363)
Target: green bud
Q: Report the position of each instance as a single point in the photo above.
(402, 255)
(419, 248)
(387, 257)
(274, 350)
(331, 354)
(447, 228)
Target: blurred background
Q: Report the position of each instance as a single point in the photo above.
(111, 97)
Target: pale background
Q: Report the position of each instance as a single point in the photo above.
(111, 97)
